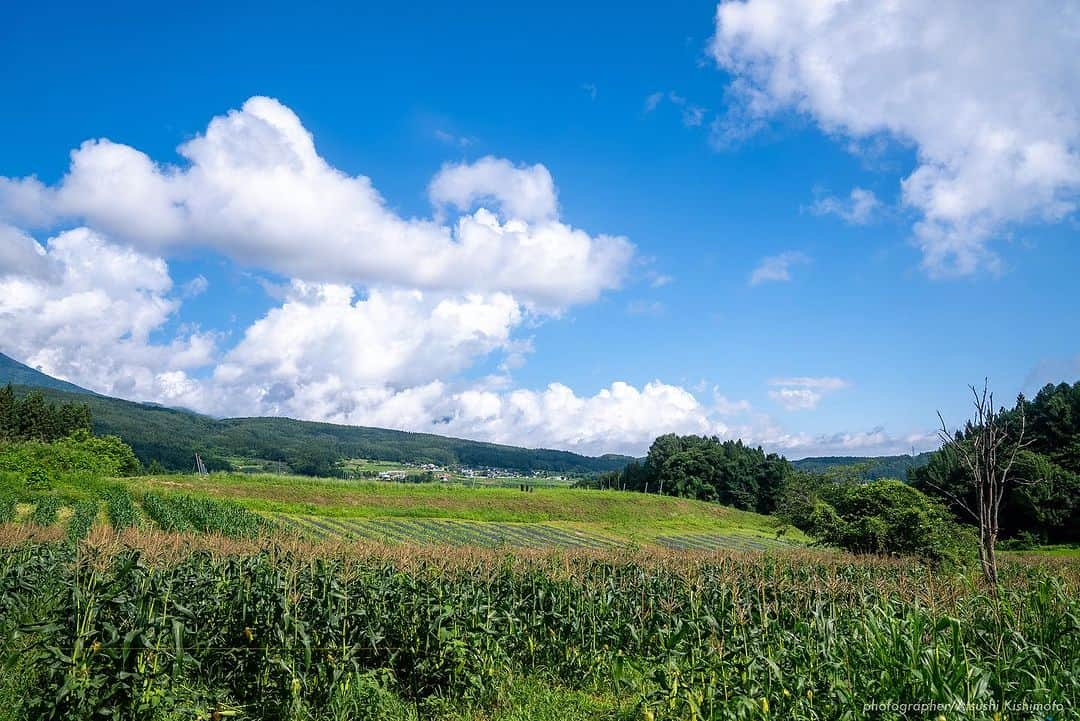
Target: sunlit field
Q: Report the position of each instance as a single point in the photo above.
(202, 625)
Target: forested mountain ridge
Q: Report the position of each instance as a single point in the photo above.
(871, 469)
(171, 437)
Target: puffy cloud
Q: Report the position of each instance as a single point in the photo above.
(389, 358)
(96, 304)
(988, 94)
(804, 393)
(617, 418)
(777, 267)
(324, 351)
(89, 319)
(519, 192)
(21, 255)
(255, 189)
(857, 209)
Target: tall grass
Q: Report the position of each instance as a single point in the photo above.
(282, 634)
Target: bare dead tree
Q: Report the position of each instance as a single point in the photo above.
(987, 451)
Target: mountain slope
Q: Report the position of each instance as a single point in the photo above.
(172, 437)
(19, 374)
(875, 467)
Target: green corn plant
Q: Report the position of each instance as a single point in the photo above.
(46, 509)
(120, 507)
(82, 520)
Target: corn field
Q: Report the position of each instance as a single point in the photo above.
(153, 628)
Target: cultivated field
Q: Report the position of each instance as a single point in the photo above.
(166, 626)
(272, 597)
(426, 513)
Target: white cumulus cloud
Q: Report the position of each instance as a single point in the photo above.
(254, 188)
(90, 319)
(987, 94)
(519, 192)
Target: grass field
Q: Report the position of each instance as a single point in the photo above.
(450, 514)
(361, 508)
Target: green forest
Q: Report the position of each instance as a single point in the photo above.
(1042, 503)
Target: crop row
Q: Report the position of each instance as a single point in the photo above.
(443, 531)
(718, 542)
(173, 512)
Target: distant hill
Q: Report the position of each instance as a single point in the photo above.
(19, 374)
(876, 466)
(172, 437)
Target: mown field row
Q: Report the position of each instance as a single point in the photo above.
(486, 534)
(443, 531)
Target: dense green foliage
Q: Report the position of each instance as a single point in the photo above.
(82, 520)
(32, 418)
(1043, 496)
(46, 510)
(881, 517)
(120, 507)
(706, 469)
(747, 637)
(77, 456)
(208, 515)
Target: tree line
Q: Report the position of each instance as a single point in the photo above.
(704, 468)
(32, 418)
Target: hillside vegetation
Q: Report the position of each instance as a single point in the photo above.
(870, 469)
(290, 598)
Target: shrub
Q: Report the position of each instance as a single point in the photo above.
(38, 480)
(80, 454)
(886, 517)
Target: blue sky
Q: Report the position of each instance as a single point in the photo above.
(708, 145)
